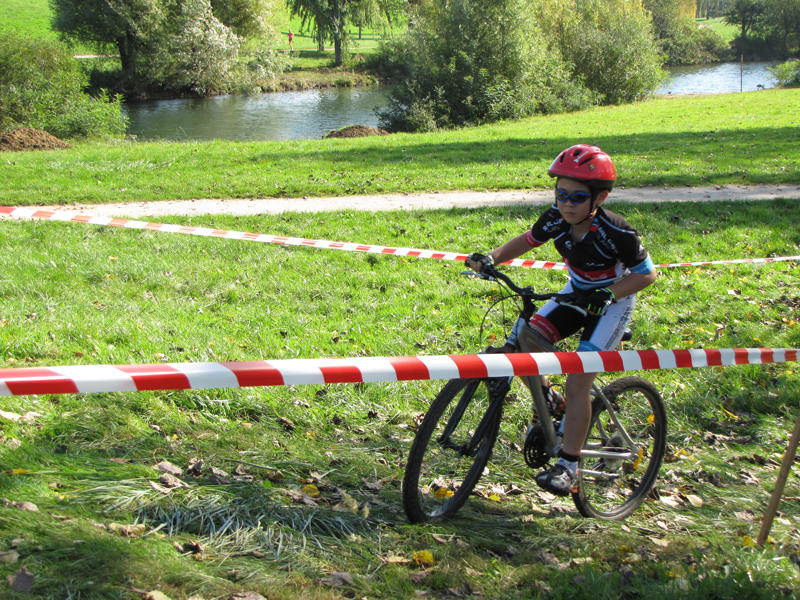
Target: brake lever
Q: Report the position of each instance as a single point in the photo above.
(478, 275)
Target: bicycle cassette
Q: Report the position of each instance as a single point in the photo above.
(535, 450)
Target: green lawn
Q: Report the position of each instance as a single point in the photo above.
(720, 27)
(730, 139)
(80, 294)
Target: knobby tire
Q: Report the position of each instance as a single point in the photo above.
(438, 480)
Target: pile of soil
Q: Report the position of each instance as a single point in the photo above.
(26, 138)
(354, 131)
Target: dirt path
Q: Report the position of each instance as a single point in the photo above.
(137, 210)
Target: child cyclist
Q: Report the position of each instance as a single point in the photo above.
(607, 266)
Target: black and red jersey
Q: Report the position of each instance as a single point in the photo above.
(610, 249)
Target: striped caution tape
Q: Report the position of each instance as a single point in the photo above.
(26, 213)
(85, 379)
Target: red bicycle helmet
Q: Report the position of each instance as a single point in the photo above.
(587, 164)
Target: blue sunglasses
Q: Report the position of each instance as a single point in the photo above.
(574, 198)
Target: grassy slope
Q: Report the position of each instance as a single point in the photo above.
(729, 139)
(77, 294)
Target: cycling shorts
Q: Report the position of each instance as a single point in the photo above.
(557, 322)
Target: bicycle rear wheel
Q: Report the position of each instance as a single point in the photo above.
(612, 489)
(447, 458)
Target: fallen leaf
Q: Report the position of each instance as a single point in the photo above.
(423, 558)
(287, 424)
(748, 542)
(395, 560)
(171, 481)
(158, 488)
(168, 467)
(659, 542)
(21, 581)
(695, 501)
(337, 580)
(10, 416)
(26, 506)
(127, 530)
(670, 501)
(348, 504)
(311, 490)
(9, 558)
(156, 595)
(419, 576)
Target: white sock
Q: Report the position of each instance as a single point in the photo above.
(572, 466)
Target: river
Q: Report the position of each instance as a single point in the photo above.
(719, 78)
(311, 114)
(278, 116)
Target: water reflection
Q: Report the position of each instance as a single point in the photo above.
(279, 116)
(719, 78)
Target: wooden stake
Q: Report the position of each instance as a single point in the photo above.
(786, 467)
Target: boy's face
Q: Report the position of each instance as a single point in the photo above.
(573, 213)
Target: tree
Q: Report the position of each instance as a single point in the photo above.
(329, 18)
(476, 61)
(41, 86)
(174, 45)
(747, 14)
(125, 24)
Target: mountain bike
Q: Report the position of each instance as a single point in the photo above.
(461, 433)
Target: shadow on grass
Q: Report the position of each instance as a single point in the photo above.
(720, 156)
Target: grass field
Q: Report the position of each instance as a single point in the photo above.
(729, 139)
(720, 27)
(78, 294)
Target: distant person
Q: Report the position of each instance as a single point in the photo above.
(291, 39)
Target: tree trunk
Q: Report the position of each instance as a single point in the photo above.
(337, 46)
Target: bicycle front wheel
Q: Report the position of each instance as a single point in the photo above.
(611, 489)
(450, 450)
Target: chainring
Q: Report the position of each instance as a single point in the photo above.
(535, 449)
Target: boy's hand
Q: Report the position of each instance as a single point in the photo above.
(597, 302)
(476, 261)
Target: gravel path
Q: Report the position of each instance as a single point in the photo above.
(137, 210)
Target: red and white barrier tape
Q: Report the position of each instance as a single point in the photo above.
(85, 379)
(26, 213)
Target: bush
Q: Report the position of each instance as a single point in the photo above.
(41, 86)
(473, 61)
(788, 73)
(611, 45)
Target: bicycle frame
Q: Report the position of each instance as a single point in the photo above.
(552, 440)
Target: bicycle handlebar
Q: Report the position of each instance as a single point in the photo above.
(490, 273)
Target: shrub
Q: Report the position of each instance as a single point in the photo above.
(611, 45)
(41, 86)
(473, 61)
(788, 73)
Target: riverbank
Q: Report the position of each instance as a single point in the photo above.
(730, 140)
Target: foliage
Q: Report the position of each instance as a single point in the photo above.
(611, 45)
(468, 61)
(41, 86)
(788, 73)
(767, 28)
(679, 37)
(176, 45)
(331, 19)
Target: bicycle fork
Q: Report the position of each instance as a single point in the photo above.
(498, 387)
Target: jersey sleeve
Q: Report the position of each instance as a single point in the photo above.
(544, 229)
(634, 256)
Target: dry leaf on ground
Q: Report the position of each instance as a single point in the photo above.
(337, 580)
(21, 581)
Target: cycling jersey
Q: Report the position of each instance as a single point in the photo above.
(610, 249)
